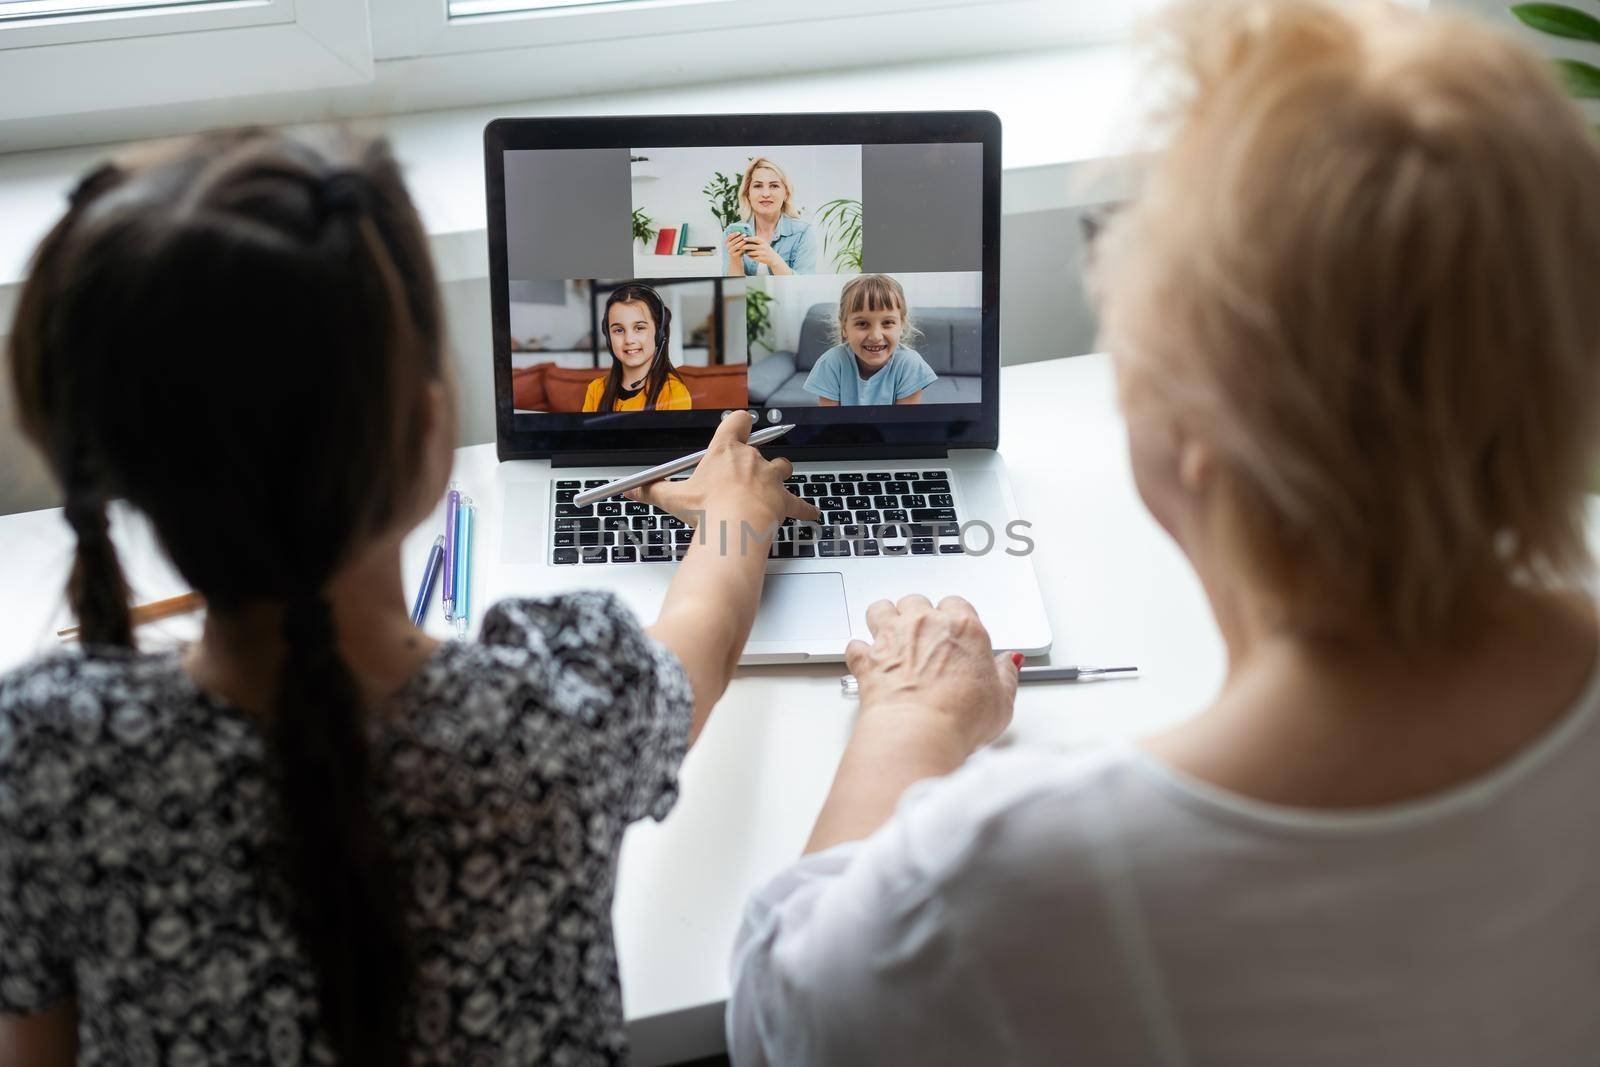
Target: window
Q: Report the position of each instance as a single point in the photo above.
(298, 59)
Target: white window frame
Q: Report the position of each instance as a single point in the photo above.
(167, 55)
(158, 71)
(405, 28)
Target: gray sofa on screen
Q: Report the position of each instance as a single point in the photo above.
(951, 343)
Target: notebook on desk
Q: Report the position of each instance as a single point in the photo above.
(853, 291)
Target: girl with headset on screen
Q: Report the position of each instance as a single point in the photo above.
(638, 326)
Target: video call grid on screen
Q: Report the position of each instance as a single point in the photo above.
(760, 330)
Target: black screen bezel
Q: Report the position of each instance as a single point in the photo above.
(890, 432)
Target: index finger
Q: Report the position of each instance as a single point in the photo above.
(733, 429)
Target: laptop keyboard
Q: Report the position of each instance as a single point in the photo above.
(878, 513)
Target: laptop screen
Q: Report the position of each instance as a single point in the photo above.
(838, 283)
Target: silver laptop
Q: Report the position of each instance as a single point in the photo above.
(838, 272)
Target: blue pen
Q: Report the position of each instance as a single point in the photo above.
(419, 610)
(452, 505)
(464, 565)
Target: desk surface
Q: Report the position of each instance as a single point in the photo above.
(1116, 589)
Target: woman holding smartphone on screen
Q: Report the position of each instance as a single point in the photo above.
(771, 238)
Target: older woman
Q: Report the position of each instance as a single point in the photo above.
(771, 238)
(1358, 349)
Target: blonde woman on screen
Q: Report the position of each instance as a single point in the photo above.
(771, 237)
(1357, 346)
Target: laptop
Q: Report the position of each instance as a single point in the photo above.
(836, 272)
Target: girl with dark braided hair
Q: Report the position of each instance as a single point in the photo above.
(316, 835)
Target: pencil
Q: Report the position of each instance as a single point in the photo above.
(143, 613)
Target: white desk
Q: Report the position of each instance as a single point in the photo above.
(1117, 591)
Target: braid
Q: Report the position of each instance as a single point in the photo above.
(345, 886)
(96, 589)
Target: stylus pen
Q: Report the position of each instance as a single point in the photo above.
(849, 687)
(430, 574)
(671, 466)
(463, 603)
(452, 505)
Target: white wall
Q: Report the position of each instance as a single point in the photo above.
(793, 296)
(817, 174)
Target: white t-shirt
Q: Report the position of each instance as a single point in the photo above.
(1103, 908)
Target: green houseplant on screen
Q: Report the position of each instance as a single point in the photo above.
(758, 318)
(1558, 20)
(643, 228)
(842, 220)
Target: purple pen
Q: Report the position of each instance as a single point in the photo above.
(452, 505)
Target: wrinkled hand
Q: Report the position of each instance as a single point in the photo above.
(935, 662)
(733, 483)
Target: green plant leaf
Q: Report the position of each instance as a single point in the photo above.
(1559, 20)
(1582, 79)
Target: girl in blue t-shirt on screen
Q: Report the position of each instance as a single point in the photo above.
(870, 365)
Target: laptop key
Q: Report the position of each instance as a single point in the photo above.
(947, 529)
(569, 511)
(565, 555)
(876, 476)
(643, 522)
(782, 550)
(833, 548)
(624, 554)
(933, 515)
(951, 548)
(567, 525)
(830, 503)
(814, 490)
(823, 477)
(868, 518)
(635, 508)
(867, 548)
(682, 536)
(935, 474)
(941, 500)
(885, 501)
(592, 554)
(857, 503)
(594, 483)
(569, 483)
(931, 485)
(608, 507)
(805, 551)
(838, 518)
(897, 487)
(895, 515)
(613, 522)
(852, 476)
(565, 540)
(589, 537)
(657, 554)
(913, 500)
(564, 496)
(922, 546)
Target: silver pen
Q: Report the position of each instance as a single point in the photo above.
(848, 686)
(671, 466)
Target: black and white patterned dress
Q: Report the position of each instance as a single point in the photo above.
(135, 812)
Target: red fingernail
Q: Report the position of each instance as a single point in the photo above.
(1016, 659)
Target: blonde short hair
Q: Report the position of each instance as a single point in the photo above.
(1363, 270)
(874, 292)
(746, 211)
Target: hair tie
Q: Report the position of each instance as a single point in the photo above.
(85, 509)
(345, 192)
(308, 622)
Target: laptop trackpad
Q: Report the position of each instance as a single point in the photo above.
(802, 607)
